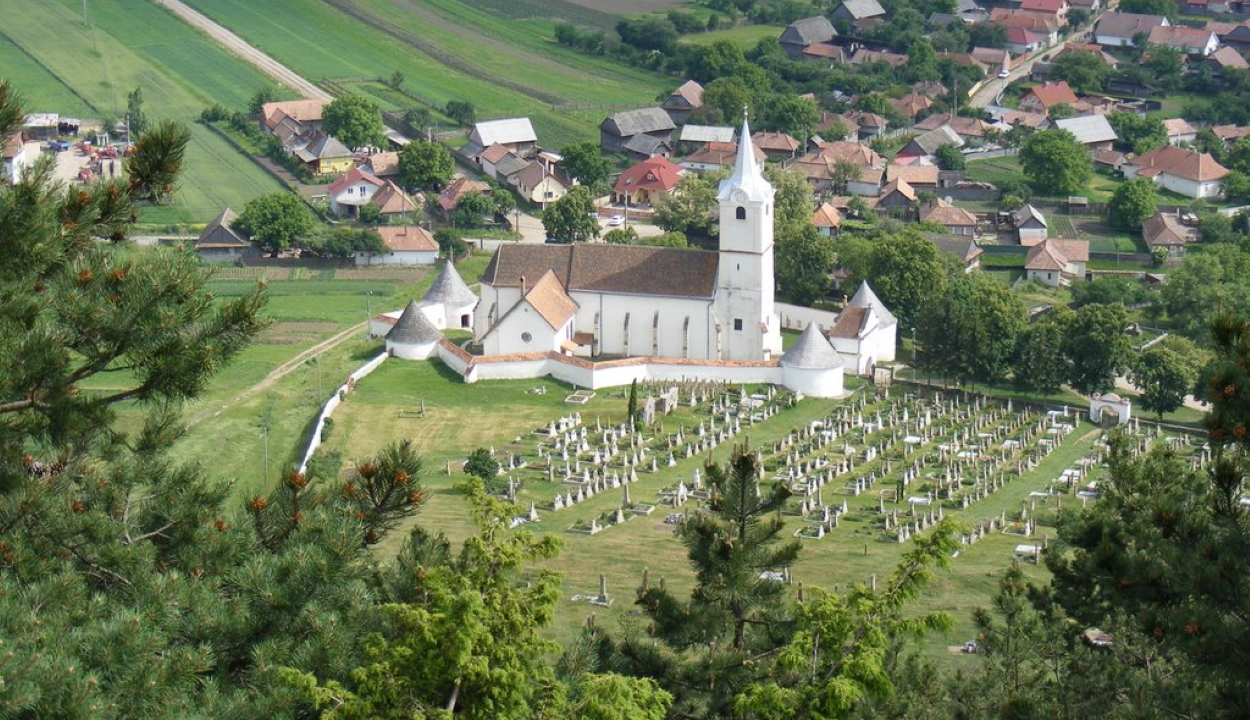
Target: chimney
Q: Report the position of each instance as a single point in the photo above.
(523, 290)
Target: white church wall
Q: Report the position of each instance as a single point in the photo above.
(410, 351)
(821, 383)
(796, 317)
(436, 314)
(879, 346)
(522, 330)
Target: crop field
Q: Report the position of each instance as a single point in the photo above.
(595, 13)
(331, 44)
(138, 45)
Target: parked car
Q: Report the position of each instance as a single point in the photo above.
(616, 221)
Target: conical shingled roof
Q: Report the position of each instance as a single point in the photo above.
(449, 289)
(866, 298)
(413, 328)
(812, 351)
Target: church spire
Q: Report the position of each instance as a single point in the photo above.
(746, 176)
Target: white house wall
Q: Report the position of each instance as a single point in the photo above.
(507, 337)
(414, 257)
(675, 339)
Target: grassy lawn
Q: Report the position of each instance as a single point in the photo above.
(502, 414)
(996, 170)
(745, 35)
(140, 45)
(43, 90)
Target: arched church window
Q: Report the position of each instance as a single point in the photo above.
(655, 335)
(685, 338)
(626, 333)
(740, 213)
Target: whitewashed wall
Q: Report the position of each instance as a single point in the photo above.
(796, 317)
(315, 441)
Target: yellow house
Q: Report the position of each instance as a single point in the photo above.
(324, 155)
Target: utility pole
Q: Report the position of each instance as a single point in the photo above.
(321, 391)
(84, 14)
(265, 431)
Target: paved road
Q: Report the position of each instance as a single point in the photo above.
(249, 53)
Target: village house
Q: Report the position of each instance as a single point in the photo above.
(305, 113)
(1089, 6)
(1166, 230)
(619, 129)
(683, 102)
(897, 197)
(776, 145)
(1227, 58)
(833, 127)
(1057, 9)
(219, 242)
(860, 13)
(956, 220)
(819, 166)
(1071, 47)
(352, 191)
(1056, 262)
(912, 104)
(827, 219)
(1092, 131)
(970, 12)
(393, 203)
(800, 34)
(1023, 42)
(963, 248)
(1008, 119)
(1229, 134)
(515, 134)
(972, 130)
(1041, 98)
(1031, 226)
(647, 183)
(926, 144)
(1044, 25)
(1238, 38)
(1190, 41)
(716, 156)
(537, 184)
(826, 53)
(449, 199)
(869, 126)
(405, 245)
(1119, 29)
(696, 137)
(864, 55)
(13, 154)
(382, 165)
(1189, 173)
(322, 154)
(922, 177)
(1110, 159)
(1179, 131)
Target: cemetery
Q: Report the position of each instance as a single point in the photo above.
(866, 476)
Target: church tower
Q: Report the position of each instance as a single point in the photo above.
(748, 327)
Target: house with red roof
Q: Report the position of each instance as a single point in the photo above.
(1057, 9)
(405, 245)
(1041, 98)
(351, 191)
(1190, 41)
(449, 200)
(647, 182)
(1057, 261)
(1189, 173)
(1022, 42)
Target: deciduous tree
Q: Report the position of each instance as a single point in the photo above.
(1056, 163)
(1163, 379)
(572, 218)
(586, 164)
(275, 221)
(1097, 347)
(355, 120)
(1133, 203)
(804, 261)
(690, 208)
(426, 165)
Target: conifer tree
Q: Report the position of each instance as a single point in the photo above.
(711, 645)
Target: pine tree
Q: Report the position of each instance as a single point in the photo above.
(132, 586)
(713, 645)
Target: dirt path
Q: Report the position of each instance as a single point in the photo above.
(240, 47)
(277, 374)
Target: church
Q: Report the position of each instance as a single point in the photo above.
(600, 315)
(595, 300)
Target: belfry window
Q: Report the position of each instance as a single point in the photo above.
(740, 213)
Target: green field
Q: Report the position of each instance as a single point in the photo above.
(138, 45)
(330, 44)
(746, 35)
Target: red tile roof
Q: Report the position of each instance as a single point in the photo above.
(1050, 94)
(351, 177)
(657, 173)
(551, 301)
(1187, 164)
(407, 238)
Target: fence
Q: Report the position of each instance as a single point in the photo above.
(332, 404)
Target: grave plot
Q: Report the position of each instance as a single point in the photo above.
(574, 459)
